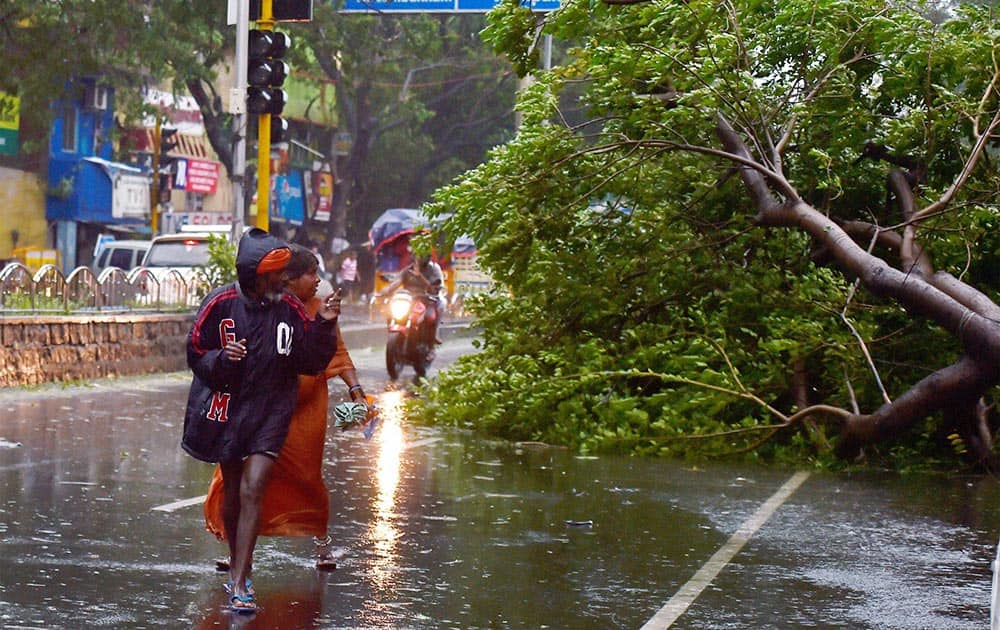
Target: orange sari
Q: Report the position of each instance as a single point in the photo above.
(296, 501)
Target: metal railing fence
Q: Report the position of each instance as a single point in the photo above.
(48, 292)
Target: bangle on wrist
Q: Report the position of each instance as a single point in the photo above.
(353, 388)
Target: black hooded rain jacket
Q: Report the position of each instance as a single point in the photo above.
(236, 409)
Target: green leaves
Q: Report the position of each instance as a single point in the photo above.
(638, 306)
(221, 266)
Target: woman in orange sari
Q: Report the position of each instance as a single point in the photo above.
(296, 501)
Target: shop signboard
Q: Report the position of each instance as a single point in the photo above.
(288, 193)
(129, 195)
(10, 122)
(320, 195)
(197, 176)
(176, 221)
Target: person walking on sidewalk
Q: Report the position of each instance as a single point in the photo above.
(296, 501)
(249, 342)
(348, 275)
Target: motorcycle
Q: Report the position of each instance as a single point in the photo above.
(411, 333)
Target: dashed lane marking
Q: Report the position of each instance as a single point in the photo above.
(183, 503)
(680, 602)
(423, 442)
(41, 462)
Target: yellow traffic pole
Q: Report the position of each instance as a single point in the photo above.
(265, 23)
(263, 170)
(154, 193)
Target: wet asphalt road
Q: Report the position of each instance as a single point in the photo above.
(100, 525)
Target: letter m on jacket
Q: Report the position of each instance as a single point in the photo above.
(219, 409)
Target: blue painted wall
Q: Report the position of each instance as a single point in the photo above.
(87, 196)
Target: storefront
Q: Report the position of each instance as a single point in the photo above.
(87, 193)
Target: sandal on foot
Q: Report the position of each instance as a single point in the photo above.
(325, 562)
(242, 604)
(228, 587)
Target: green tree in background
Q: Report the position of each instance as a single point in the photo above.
(421, 96)
(46, 45)
(733, 253)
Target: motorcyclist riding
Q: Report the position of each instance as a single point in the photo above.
(423, 278)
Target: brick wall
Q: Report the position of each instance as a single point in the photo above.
(38, 350)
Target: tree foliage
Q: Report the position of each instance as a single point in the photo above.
(732, 254)
(44, 46)
(421, 96)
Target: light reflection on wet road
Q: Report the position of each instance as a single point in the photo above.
(438, 529)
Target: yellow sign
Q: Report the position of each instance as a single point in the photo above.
(10, 121)
(34, 257)
(10, 111)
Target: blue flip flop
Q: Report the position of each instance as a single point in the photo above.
(228, 587)
(243, 604)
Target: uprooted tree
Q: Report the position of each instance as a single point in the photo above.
(729, 247)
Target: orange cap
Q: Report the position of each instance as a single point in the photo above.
(275, 260)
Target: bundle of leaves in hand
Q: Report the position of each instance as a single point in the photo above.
(352, 414)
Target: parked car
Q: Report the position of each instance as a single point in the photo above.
(182, 251)
(173, 261)
(122, 254)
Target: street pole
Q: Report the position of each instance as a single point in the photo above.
(265, 23)
(154, 193)
(238, 107)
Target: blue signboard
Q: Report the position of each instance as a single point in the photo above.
(288, 200)
(438, 6)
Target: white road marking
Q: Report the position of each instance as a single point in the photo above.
(994, 593)
(423, 442)
(684, 597)
(183, 503)
(42, 462)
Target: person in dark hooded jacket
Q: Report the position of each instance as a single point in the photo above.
(249, 343)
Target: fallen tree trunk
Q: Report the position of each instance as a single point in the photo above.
(973, 320)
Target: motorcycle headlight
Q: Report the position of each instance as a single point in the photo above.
(399, 307)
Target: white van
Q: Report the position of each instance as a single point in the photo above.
(122, 254)
(173, 257)
(183, 251)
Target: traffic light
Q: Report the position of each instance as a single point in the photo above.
(285, 10)
(266, 71)
(279, 129)
(167, 144)
(165, 184)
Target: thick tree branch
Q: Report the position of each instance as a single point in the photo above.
(958, 385)
(218, 137)
(979, 336)
(968, 296)
(752, 175)
(962, 384)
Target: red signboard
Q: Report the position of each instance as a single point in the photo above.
(197, 176)
(321, 197)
